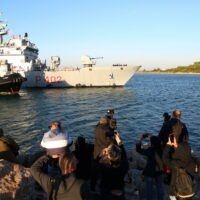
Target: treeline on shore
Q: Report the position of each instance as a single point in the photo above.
(193, 68)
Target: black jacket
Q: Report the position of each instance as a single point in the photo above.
(152, 168)
(167, 129)
(112, 177)
(180, 157)
(70, 187)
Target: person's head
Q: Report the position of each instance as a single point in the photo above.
(1, 132)
(113, 123)
(113, 154)
(166, 116)
(103, 121)
(56, 143)
(67, 163)
(110, 113)
(55, 125)
(176, 114)
(155, 142)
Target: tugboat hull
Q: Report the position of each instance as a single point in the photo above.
(11, 84)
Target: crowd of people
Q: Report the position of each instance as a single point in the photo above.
(169, 156)
(96, 171)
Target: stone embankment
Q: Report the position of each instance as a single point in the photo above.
(17, 183)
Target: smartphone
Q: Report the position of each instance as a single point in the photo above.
(145, 135)
(171, 138)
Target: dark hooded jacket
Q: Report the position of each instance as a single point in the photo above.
(112, 175)
(151, 169)
(180, 157)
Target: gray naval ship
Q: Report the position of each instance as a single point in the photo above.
(22, 56)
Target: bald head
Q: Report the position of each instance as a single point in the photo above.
(176, 114)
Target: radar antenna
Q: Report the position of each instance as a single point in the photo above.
(3, 30)
(55, 62)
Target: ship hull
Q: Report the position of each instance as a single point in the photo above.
(113, 76)
(11, 84)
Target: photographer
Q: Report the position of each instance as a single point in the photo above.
(110, 113)
(177, 154)
(153, 169)
(112, 169)
(170, 124)
(105, 134)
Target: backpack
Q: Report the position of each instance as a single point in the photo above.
(183, 183)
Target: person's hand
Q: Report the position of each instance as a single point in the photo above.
(104, 152)
(140, 137)
(169, 142)
(117, 138)
(55, 156)
(174, 143)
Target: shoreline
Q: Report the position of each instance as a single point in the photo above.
(175, 73)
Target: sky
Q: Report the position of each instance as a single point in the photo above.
(152, 33)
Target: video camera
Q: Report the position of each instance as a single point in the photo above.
(110, 113)
(111, 133)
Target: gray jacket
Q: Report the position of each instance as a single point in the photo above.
(69, 187)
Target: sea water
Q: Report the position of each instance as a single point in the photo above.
(138, 106)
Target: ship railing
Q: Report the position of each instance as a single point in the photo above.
(119, 65)
(67, 69)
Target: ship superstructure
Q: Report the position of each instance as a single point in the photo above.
(22, 56)
(20, 53)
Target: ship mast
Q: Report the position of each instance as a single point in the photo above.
(3, 30)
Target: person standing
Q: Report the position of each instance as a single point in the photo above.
(153, 170)
(67, 186)
(102, 137)
(113, 165)
(177, 154)
(102, 140)
(172, 125)
(55, 142)
(83, 153)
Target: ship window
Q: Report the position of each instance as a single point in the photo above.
(90, 69)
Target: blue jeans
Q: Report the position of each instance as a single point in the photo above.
(159, 187)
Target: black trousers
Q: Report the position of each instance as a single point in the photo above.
(94, 174)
